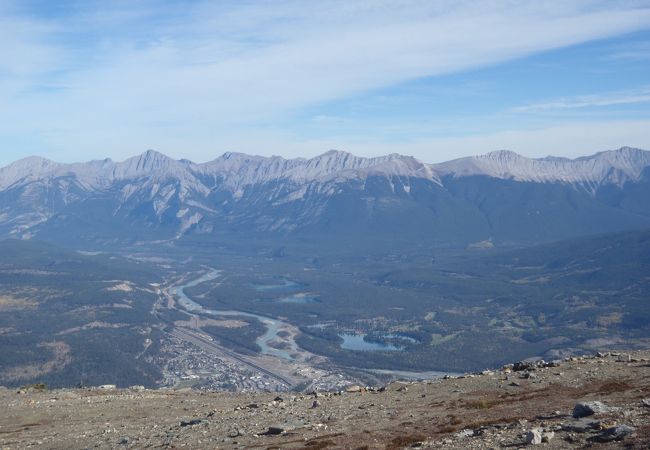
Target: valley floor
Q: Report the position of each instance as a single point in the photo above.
(489, 410)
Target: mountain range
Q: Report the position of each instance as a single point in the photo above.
(500, 198)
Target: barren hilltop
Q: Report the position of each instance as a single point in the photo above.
(599, 401)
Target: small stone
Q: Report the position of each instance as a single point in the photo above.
(315, 404)
(581, 425)
(353, 388)
(274, 431)
(617, 433)
(645, 402)
(278, 399)
(124, 441)
(624, 357)
(534, 437)
(465, 433)
(234, 433)
(524, 365)
(547, 436)
(190, 423)
(584, 409)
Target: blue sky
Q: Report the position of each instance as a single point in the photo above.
(87, 79)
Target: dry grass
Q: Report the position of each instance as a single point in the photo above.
(400, 442)
(479, 404)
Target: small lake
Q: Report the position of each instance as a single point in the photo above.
(358, 342)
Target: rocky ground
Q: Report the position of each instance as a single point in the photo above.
(600, 401)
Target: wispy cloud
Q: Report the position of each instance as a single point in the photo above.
(159, 72)
(590, 101)
(570, 139)
(636, 51)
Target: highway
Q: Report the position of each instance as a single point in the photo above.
(219, 351)
(197, 337)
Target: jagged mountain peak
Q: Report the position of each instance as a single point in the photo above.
(149, 161)
(503, 155)
(612, 167)
(274, 193)
(629, 155)
(238, 156)
(30, 168)
(239, 169)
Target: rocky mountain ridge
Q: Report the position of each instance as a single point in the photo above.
(610, 167)
(154, 197)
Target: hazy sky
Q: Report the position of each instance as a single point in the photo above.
(86, 79)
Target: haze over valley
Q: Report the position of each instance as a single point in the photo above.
(254, 273)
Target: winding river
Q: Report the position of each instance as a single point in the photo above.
(273, 326)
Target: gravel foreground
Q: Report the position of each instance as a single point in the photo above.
(600, 401)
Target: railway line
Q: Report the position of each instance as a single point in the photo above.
(218, 350)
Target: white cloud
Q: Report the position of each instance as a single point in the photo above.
(588, 101)
(160, 73)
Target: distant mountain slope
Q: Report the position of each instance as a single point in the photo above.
(616, 167)
(500, 196)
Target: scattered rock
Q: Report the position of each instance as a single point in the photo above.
(107, 387)
(534, 437)
(315, 404)
(190, 423)
(274, 431)
(624, 357)
(124, 441)
(584, 409)
(523, 365)
(617, 433)
(581, 425)
(234, 433)
(548, 436)
(465, 433)
(353, 388)
(645, 402)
